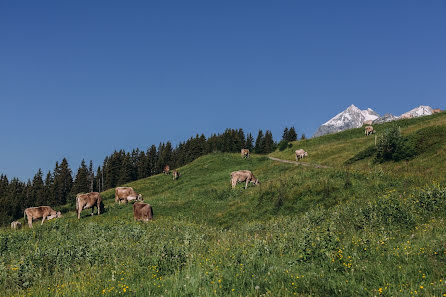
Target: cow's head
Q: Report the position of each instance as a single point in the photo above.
(256, 182)
(140, 197)
(306, 154)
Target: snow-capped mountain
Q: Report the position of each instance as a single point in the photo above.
(353, 117)
(350, 118)
(388, 117)
(419, 111)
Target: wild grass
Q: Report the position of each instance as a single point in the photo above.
(344, 231)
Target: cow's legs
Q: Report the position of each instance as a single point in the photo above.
(43, 220)
(99, 207)
(246, 184)
(30, 222)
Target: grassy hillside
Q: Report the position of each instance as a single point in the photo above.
(363, 230)
(336, 149)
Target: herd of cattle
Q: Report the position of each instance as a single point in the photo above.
(141, 211)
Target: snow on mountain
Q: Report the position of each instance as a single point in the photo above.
(388, 117)
(419, 111)
(353, 117)
(350, 118)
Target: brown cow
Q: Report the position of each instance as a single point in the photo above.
(300, 154)
(44, 212)
(243, 176)
(16, 225)
(176, 174)
(126, 194)
(89, 200)
(436, 110)
(245, 153)
(142, 212)
(166, 169)
(369, 130)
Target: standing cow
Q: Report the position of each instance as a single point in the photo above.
(44, 212)
(369, 130)
(166, 169)
(16, 225)
(245, 153)
(243, 176)
(300, 154)
(142, 212)
(89, 200)
(176, 174)
(126, 194)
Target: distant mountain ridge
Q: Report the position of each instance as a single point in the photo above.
(353, 117)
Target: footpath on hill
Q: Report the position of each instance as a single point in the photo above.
(298, 163)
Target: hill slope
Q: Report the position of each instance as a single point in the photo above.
(366, 230)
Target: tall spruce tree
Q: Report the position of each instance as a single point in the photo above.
(268, 143)
(38, 189)
(249, 142)
(285, 134)
(63, 182)
(259, 143)
(82, 181)
(292, 135)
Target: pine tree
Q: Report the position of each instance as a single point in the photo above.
(249, 142)
(292, 135)
(126, 170)
(63, 182)
(152, 160)
(91, 176)
(285, 134)
(81, 182)
(268, 143)
(38, 189)
(259, 143)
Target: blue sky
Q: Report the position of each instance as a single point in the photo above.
(82, 78)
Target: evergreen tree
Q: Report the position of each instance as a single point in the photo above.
(292, 135)
(249, 142)
(49, 187)
(81, 182)
(259, 143)
(91, 176)
(152, 160)
(285, 134)
(268, 143)
(38, 189)
(63, 182)
(126, 170)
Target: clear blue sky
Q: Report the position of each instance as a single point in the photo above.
(82, 78)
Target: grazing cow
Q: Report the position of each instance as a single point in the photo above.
(142, 212)
(368, 122)
(243, 176)
(166, 169)
(16, 225)
(436, 110)
(126, 194)
(300, 154)
(245, 153)
(44, 212)
(369, 130)
(89, 200)
(176, 174)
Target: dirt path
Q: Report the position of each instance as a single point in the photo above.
(298, 163)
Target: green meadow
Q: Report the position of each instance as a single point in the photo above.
(358, 228)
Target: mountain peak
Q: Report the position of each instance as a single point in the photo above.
(352, 117)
